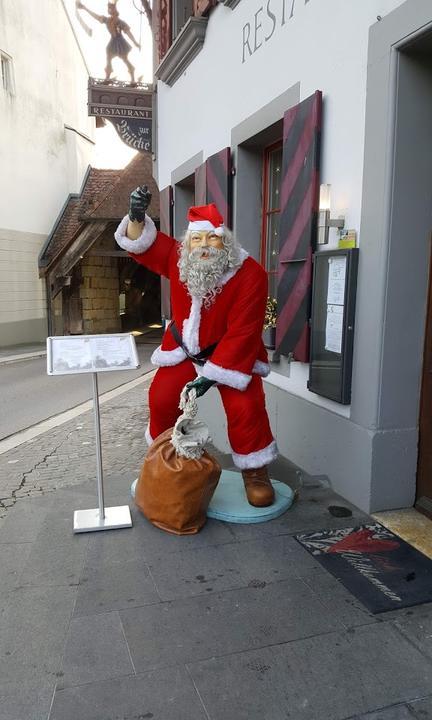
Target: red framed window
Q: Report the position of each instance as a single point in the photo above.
(272, 179)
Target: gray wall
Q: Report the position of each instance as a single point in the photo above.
(23, 331)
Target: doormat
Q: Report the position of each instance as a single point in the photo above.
(378, 567)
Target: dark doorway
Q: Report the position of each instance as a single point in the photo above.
(140, 299)
(414, 159)
(424, 467)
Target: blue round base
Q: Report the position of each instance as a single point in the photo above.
(229, 502)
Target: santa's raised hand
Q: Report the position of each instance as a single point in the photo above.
(139, 201)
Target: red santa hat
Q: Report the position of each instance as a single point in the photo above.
(206, 218)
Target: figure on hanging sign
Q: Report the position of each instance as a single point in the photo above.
(118, 46)
(219, 297)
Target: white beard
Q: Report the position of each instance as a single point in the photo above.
(202, 276)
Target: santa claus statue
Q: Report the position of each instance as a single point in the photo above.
(218, 297)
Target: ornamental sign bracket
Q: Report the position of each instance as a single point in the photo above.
(129, 107)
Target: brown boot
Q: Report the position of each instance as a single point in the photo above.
(259, 489)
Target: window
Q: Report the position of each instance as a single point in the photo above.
(181, 12)
(272, 177)
(6, 73)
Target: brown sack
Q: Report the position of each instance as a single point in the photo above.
(173, 491)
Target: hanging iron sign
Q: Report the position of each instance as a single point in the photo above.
(127, 106)
(107, 111)
(135, 133)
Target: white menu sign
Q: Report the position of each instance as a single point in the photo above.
(334, 328)
(336, 281)
(71, 354)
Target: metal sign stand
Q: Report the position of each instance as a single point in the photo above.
(72, 354)
(101, 518)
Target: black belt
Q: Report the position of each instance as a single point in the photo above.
(200, 357)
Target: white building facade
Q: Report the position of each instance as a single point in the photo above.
(45, 148)
(226, 81)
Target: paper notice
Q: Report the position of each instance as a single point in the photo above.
(71, 354)
(336, 281)
(111, 352)
(334, 328)
(78, 354)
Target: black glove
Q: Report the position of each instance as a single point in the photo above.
(200, 385)
(140, 199)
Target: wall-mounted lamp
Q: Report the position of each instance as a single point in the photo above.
(324, 220)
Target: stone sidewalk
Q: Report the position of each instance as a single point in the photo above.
(236, 623)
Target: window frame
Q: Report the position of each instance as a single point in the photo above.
(266, 212)
(7, 81)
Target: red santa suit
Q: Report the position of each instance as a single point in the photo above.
(234, 322)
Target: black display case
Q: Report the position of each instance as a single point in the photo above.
(332, 323)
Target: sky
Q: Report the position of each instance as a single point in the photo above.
(110, 151)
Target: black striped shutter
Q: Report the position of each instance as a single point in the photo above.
(298, 225)
(213, 183)
(166, 226)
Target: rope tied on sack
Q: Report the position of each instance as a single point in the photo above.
(189, 434)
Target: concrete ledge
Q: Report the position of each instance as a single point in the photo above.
(184, 49)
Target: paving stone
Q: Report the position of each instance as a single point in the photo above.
(146, 541)
(309, 512)
(33, 628)
(57, 555)
(165, 695)
(418, 627)
(200, 627)
(422, 709)
(197, 572)
(270, 559)
(108, 586)
(23, 522)
(96, 649)
(12, 560)
(337, 676)
(23, 701)
(346, 607)
(395, 712)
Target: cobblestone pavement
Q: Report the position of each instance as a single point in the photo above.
(66, 455)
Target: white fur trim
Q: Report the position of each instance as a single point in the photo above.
(141, 244)
(233, 378)
(261, 368)
(206, 226)
(148, 437)
(168, 357)
(257, 459)
(224, 279)
(191, 327)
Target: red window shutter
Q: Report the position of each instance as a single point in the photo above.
(164, 27)
(213, 183)
(166, 226)
(201, 185)
(298, 225)
(166, 210)
(201, 7)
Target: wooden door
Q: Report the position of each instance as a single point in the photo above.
(424, 467)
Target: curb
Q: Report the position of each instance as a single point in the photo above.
(23, 356)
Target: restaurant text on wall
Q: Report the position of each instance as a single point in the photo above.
(270, 16)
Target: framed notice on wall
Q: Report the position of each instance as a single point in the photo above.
(71, 354)
(332, 323)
